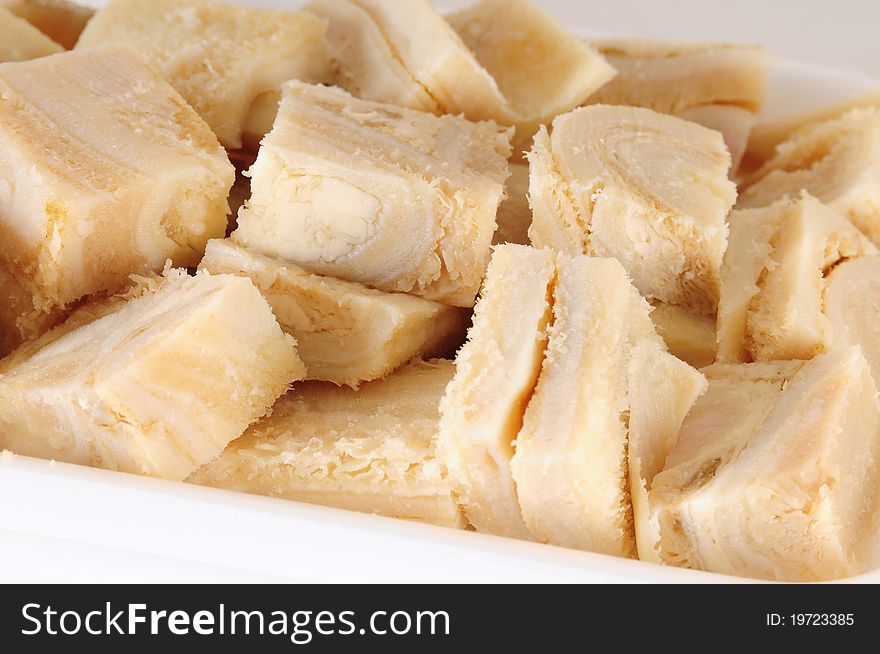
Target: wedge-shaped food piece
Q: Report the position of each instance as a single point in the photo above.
(60, 20)
(107, 172)
(496, 373)
(346, 333)
(437, 59)
(852, 307)
(717, 85)
(766, 137)
(155, 384)
(776, 479)
(20, 41)
(227, 61)
(689, 336)
(542, 69)
(647, 189)
(20, 320)
(837, 161)
(393, 198)
(363, 61)
(514, 214)
(662, 390)
(371, 450)
(570, 464)
(774, 278)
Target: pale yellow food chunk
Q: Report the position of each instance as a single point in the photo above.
(541, 68)
(689, 336)
(775, 474)
(718, 85)
(572, 460)
(346, 333)
(514, 214)
(389, 197)
(156, 384)
(371, 450)
(774, 277)
(363, 61)
(647, 189)
(496, 373)
(227, 61)
(60, 20)
(852, 307)
(20, 41)
(107, 172)
(836, 161)
(766, 137)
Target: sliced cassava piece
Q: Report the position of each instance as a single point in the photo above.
(837, 161)
(496, 373)
(852, 307)
(541, 68)
(775, 473)
(346, 333)
(363, 61)
(689, 336)
(108, 172)
(393, 198)
(60, 20)
(371, 450)
(717, 85)
(766, 137)
(647, 189)
(774, 278)
(20, 41)
(514, 213)
(571, 460)
(227, 61)
(157, 383)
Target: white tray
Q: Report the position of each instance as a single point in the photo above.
(65, 523)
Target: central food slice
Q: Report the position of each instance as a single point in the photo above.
(227, 61)
(837, 161)
(717, 85)
(776, 472)
(647, 189)
(20, 41)
(393, 198)
(774, 278)
(346, 333)
(572, 458)
(371, 450)
(496, 372)
(155, 384)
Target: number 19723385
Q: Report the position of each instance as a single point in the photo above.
(810, 620)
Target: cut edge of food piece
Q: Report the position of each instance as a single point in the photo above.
(228, 61)
(662, 390)
(60, 20)
(774, 277)
(339, 180)
(496, 372)
(690, 337)
(541, 68)
(157, 382)
(837, 161)
(87, 207)
(436, 57)
(570, 464)
(21, 41)
(346, 333)
(623, 197)
(788, 490)
(371, 450)
(364, 63)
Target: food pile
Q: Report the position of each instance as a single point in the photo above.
(469, 270)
